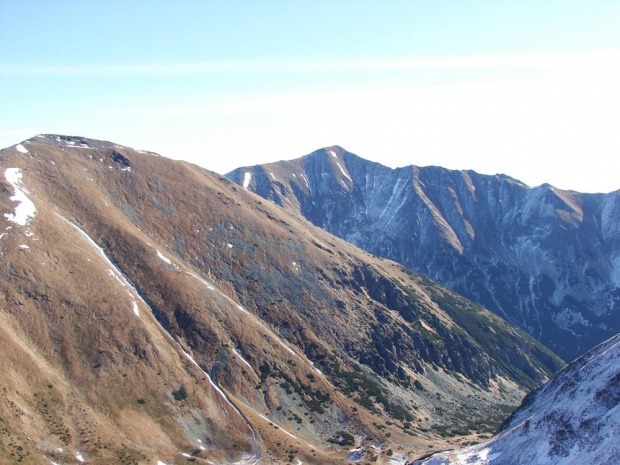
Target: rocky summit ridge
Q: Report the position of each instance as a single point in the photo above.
(545, 259)
(155, 312)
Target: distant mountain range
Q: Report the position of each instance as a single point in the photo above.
(154, 312)
(545, 259)
(572, 420)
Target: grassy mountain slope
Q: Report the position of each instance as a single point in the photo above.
(152, 309)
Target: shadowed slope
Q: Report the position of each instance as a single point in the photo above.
(545, 259)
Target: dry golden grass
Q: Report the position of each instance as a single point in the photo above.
(69, 324)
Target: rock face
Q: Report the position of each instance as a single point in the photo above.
(150, 308)
(545, 259)
(573, 419)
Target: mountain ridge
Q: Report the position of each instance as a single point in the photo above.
(545, 259)
(173, 313)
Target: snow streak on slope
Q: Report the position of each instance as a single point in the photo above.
(163, 258)
(222, 394)
(209, 378)
(113, 270)
(116, 273)
(344, 173)
(573, 419)
(25, 210)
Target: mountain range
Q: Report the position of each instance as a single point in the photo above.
(155, 312)
(545, 259)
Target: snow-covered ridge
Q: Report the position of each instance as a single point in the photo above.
(573, 419)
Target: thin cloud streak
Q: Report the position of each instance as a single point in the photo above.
(592, 60)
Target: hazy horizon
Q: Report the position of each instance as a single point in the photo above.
(528, 90)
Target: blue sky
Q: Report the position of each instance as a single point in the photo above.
(527, 88)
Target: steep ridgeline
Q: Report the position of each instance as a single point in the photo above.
(545, 259)
(154, 311)
(572, 420)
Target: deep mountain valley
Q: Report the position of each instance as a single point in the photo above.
(571, 420)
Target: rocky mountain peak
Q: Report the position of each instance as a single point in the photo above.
(543, 258)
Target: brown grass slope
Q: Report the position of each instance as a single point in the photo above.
(209, 287)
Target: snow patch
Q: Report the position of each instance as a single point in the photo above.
(211, 288)
(116, 276)
(307, 182)
(79, 457)
(476, 457)
(25, 210)
(281, 429)
(568, 318)
(136, 311)
(332, 153)
(344, 173)
(242, 359)
(21, 148)
(162, 258)
(286, 347)
(247, 177)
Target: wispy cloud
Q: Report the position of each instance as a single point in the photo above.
(592, 60)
